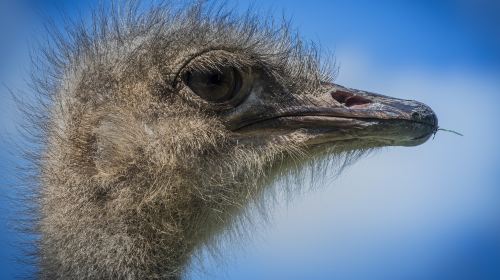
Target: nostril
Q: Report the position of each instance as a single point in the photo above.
(341, 96)
(356, 100)
(349, 99)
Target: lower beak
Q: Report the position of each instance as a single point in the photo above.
(339, 113)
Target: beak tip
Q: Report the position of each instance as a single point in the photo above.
(424, 114)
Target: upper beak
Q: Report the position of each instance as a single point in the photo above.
(339, 113)
(366, 105)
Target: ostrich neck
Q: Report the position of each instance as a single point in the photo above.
(128, 197)
(136, 226)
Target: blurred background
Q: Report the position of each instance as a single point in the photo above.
(426, 212)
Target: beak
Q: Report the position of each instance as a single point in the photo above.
(340, 114)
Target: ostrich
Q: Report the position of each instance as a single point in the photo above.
(156, 126)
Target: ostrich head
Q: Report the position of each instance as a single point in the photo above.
(160, 125)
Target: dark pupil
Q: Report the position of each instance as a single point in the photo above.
(215, 79)
(215, 86)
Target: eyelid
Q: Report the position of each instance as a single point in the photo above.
(185, 65)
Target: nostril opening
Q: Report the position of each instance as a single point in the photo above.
(349, 99)
(356, 100)
(341, 96)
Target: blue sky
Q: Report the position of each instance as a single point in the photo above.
(427, 212)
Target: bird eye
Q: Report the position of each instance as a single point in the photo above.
(214, 85)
